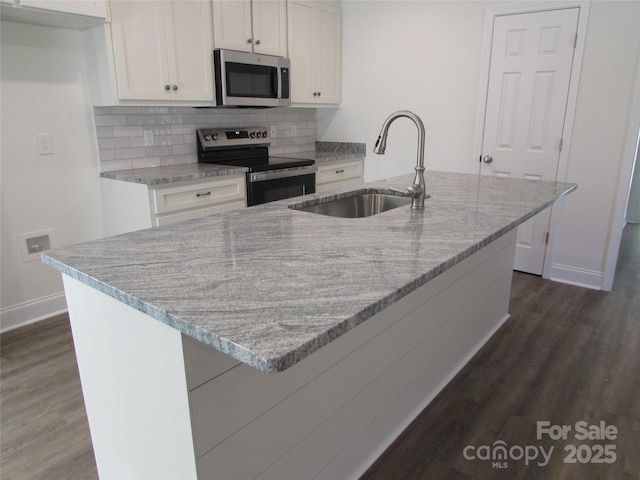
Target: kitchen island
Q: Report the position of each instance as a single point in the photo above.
(275, 343)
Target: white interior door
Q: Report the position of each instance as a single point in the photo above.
(529, 74)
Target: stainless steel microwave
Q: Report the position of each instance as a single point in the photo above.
(251, 80)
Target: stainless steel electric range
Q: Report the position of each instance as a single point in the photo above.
(269, 178)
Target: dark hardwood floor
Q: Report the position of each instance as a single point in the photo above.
(567, 354)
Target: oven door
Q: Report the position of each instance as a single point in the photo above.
(272, 185)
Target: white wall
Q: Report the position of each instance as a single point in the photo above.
(422, 56)
(425, 56)
(44, 91)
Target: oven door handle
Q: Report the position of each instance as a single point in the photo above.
(281, 173)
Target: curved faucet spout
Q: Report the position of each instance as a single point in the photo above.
(417, 190)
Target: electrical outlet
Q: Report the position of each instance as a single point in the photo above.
(35, 243)
(45, 143)
(273, 132)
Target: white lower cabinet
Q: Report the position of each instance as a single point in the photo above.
(133, 206)
(340, 174)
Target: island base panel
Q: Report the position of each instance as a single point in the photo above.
(134, 386)
(330, 416)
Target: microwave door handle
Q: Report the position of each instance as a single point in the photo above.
(279, 80)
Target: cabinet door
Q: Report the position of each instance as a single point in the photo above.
(232, 24)
(90, 8)
(269, 27)
(139, 49)
(328, 53)
(300, 23)
(189, 27)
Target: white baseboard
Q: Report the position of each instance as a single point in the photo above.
(577, 276)
(31, 312)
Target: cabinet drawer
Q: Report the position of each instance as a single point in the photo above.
(195, 195)
(336, 172)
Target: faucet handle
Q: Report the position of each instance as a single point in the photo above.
(411, 191)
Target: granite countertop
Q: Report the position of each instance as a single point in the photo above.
(269, 285)
(326, 152)
(172, 173)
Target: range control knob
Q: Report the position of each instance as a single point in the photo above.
(207, 138)
(264, 134)
(215, 137)
(252, 134)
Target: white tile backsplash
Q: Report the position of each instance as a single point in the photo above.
(120, 131)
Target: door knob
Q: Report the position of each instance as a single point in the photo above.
(487, 159)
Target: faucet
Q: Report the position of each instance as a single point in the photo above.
(417, 190)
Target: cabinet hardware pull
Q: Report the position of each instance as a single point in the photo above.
(340, 171)
(203, 194)
(249, 40)
(175, 87)
(167, 87)
(257, 42)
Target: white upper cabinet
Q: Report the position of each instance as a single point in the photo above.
(315, 50)
(74, 14)
(90, 8)
(258, 26)
(163, 50)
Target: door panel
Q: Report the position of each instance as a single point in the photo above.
(529, 75)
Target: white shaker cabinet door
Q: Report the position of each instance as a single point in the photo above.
(301, 17)
(254, 27)
(269, 22)
(139, 49)
(163, 50)
(189, 27)
(315, 49)
(329, 53)
(232, 25)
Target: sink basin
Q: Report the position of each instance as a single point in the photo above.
(359, 205)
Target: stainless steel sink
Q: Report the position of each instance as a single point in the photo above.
(358, 205)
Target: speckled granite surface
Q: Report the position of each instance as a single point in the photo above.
(172, 173)
(269, 285)
(325, 156)
(194, 171)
